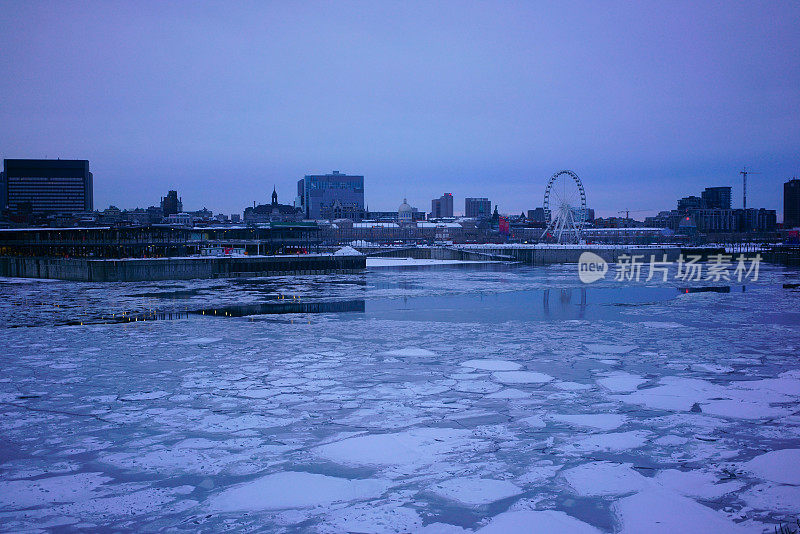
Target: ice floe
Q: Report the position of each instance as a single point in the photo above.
(411, 352)
(604, 478)
(475, 491)
(615, 441)
(293, 489)
(492, 365)
(18, 494)
(621, 382)
(411, 447)
(536, 522)
(659, 511)
(599, 348)
(601, 421)
(521, 377)
(781, 466)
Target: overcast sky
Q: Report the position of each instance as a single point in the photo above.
(645, 101)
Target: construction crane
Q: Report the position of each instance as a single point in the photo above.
(628, 212)
(744, 172)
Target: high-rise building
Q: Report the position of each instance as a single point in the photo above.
(42, 186)
(171, 204)
(791, 203)
(332, 196)
(442, 206)
(690, 203)
(477, 208)
(717, 198)
(537, 215)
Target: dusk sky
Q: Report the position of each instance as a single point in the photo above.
(645, 101)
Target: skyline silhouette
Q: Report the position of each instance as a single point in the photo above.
(646, 102)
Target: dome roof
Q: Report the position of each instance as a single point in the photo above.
(404, 207)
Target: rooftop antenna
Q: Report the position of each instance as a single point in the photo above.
(744, 172)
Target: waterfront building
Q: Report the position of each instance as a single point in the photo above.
(182, 219)
(42, 186)
(711, 213)
(171, 204)
(381, 216)
(791, 203)
(405, 212)
(442, 206)
(272, 212)
(477, 208)
(715, 221)
(332, 196)
(537, 215)
(716, 198)
(690, 202)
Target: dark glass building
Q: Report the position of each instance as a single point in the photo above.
(478, 208)
(171, 204)
(40, 186)
(717, 198)
(791, 203)
(332, 196)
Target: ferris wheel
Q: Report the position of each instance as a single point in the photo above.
(564, 207)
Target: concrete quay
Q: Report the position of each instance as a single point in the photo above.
(187, 268)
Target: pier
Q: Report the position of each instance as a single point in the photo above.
(145, 269)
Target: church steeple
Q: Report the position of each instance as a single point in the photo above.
(274, 196)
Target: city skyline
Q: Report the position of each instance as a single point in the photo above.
(645, 102)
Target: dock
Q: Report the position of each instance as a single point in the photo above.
(185, 268)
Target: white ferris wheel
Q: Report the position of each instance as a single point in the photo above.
(564, 208)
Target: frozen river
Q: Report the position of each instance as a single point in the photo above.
(454, 399)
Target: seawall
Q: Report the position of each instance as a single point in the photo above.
(549, 254)
(139, 270)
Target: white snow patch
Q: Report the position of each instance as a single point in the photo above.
(616, 441)
(598, 348)
(661, 324)
(737, 400)
(18, 494)
(621, 382)
(699, 484)
(412, 447)
(712, 368)
(772, 498)
(738, 409)
(535, 421)
(509, 393)
(492, 365)
(293, 489)
(604, 478)
(657, 511)
(477, 386)
(521, 377)
(536, 522)
(411, 352)
(347, 251)
(782, 466)
(601, 421)
(475, 491)
(371, 517)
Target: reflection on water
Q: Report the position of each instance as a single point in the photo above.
(342, 306)
(471, 293)
(712, 289)
(547, 304)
